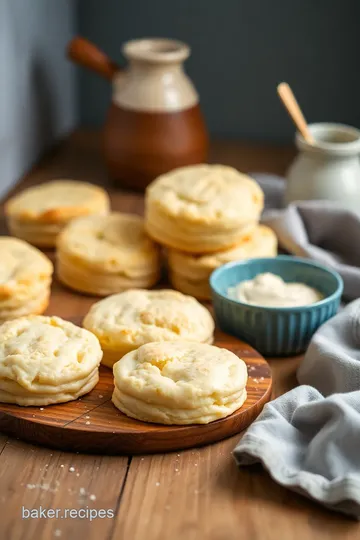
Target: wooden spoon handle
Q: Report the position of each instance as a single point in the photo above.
(292, 107)
(85, 53)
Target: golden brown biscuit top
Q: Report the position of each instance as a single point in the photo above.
(181, 374)
(38, 350)
(208, 194)
(21, 265)
(138, 316)
(111, 243)
(58, 201)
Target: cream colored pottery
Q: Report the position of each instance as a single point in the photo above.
(328, 169)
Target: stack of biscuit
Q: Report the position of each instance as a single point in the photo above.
(39, 213)
(123, 322)
(179, 382)
(191, 272)
(206, 215)
(46, 360)
(25, 279)
(104, 255)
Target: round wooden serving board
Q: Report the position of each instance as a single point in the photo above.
(93, 424)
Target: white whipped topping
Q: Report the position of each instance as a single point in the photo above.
(271, 290)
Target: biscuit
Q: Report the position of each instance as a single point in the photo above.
(125, 321)
(25, 279)
(39, 213)
(45, 360)
(179, 382)
(190, 273)
(34, 306)
(39, 234)
(202, 208)
(105, 255)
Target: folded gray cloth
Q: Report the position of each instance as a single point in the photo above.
(319, 230)
(309, 438)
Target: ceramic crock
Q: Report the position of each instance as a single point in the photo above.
(328, 169)
(154, 123)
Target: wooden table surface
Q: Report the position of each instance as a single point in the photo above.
(195, 494)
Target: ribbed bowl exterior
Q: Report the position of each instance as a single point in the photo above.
(273, 331)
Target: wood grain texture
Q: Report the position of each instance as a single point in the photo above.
(93, 424)
(193, 494)
(201, 494)
(55, 480)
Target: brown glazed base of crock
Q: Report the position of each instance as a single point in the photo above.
(139, 146)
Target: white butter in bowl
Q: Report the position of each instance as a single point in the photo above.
(270, 290)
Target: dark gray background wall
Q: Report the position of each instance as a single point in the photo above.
(241, 50)
(37, 84)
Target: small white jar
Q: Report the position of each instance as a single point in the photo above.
(328, 169)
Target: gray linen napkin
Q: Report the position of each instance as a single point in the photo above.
(309, 438)
(319, 230)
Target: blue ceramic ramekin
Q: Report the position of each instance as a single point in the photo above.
(275, 331)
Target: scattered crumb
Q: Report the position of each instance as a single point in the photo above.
(195, 464)
(41, 408)
(176, 470)
(77, 474)
(82, 491)
(57, 533)
(87, 417)
(72, 469)
(157, 484)
(43, 487)
(61, 465)
(178, 455)
(87, 423)
(100, 396)
(92, 497)
(255, 380)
